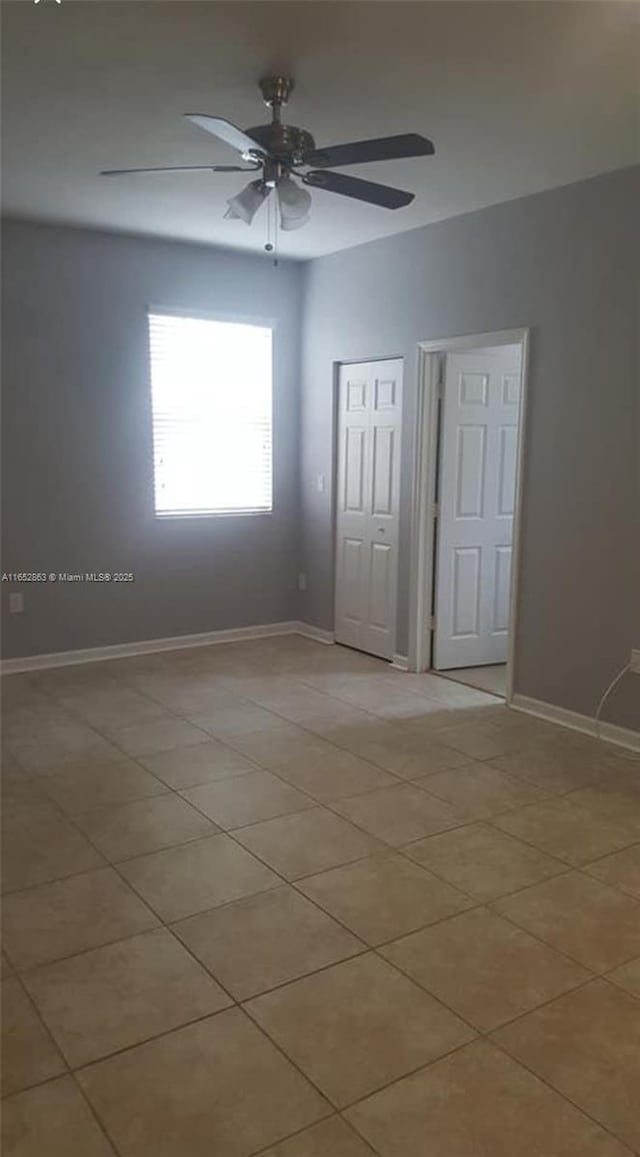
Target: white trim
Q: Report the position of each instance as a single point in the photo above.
(624, 736)
(516, 538)
(154, 646)
(472, 341)
(424, 484)
(400, 662)
(308, 631)
(423, 491)
(610, 732)
(553, 714)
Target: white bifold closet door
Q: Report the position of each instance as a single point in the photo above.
(478, 458)
(367, 513)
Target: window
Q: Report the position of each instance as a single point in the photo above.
(211, 403)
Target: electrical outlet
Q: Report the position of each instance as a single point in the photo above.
(320, 484)
(634, 665)
(302, 581)
(16, 603)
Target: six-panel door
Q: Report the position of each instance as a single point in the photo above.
(369, 432)
(478, 453)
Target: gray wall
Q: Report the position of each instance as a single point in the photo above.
(564, 263)
(77, 439)
(77, 450)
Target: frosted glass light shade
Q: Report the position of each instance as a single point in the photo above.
(295, 204)
(245, 204)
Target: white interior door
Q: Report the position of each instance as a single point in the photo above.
(369, 429)
(478, 452)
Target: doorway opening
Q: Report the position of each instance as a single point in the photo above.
(467, 501)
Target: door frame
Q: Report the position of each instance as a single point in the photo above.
(337, 367)
(423, 490)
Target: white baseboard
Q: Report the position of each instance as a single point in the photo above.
(611, 732)
(153, 646)
(624, 736)
(400, 662)
(308, 631)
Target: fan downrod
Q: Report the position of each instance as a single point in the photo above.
(276, 91)
(285, 144)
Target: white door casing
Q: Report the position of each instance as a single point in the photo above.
(478, 460)
(367, 509)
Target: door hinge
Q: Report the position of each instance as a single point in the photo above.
(432, 622)
(435, 510)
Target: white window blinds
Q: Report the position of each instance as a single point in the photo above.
(211, 401)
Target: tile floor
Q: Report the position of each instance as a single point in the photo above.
(274, 898)
(492, 678)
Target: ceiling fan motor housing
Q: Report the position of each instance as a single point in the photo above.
(285, 143)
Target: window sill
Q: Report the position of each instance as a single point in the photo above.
(171, 515)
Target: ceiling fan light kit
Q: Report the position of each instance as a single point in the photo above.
(295, 204)
(245, 204)
(279, 151)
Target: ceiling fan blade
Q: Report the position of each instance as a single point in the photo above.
(226, 132)
(381, 149)
(182, 169)
(383, 195)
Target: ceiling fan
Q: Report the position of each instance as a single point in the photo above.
(280, 152)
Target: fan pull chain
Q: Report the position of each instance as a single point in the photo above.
(272, 228)
(269, 246)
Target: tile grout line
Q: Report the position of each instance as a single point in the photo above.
(387, 850)
(479, 1034)
(488, 1033)
(68, 1071)
(337, 1115)
(547, 944)
(579, 1108)
(569, 864)
(399, 850)
(191, 954)
(285, 984)
(315, 802)
(51, 1038)
(225, 741)
(234, 1004)
(103, 1128)
(378, 1089)
(385, 847)
(274, 771)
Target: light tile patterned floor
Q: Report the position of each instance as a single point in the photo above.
(492, 679)
(274, 898)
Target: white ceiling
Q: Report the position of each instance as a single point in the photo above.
(518, 97)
